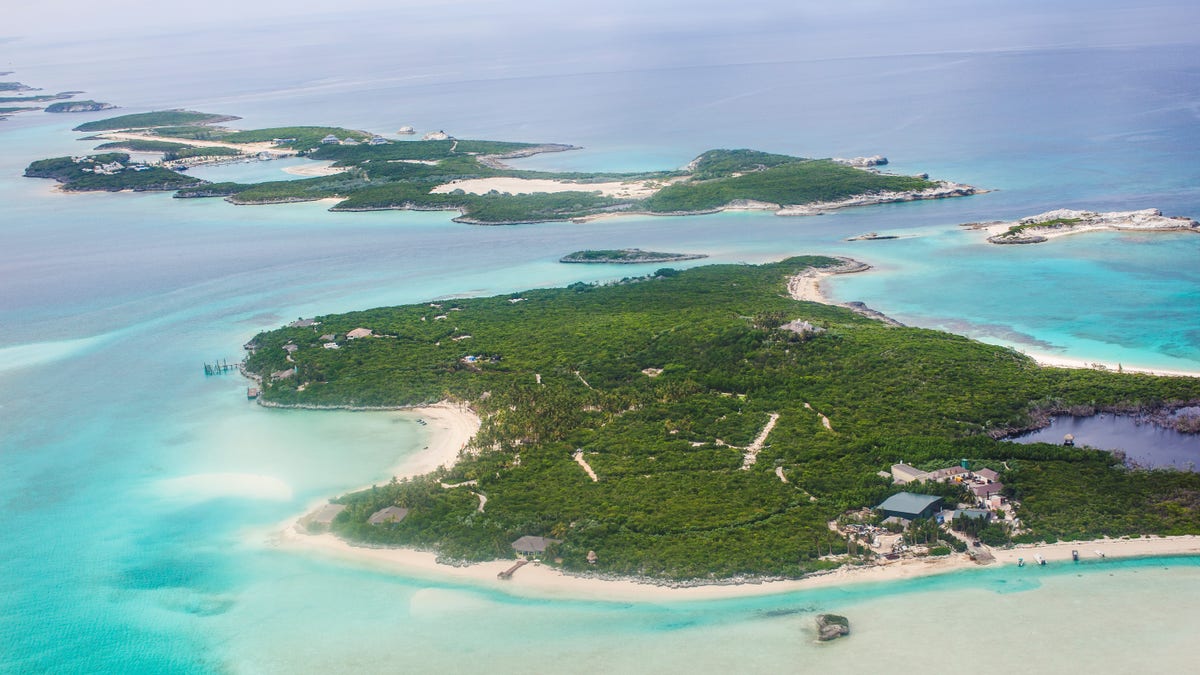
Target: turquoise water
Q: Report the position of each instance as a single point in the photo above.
(142, 496)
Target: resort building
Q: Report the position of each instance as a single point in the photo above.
(359, 333)
(331, 140)
(910, 506)
(530, 545)
(390, 514)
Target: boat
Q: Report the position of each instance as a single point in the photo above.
(1075, 555)
(252, 393)
(1040, 559)
(1020, 562)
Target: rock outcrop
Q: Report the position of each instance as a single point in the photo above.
(1042, 227)
(832, 627)
(862, 162)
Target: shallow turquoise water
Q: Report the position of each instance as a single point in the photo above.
(141, 495)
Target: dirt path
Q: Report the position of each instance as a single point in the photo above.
(824, 420)
(752, 450)
(586, 467)
(779, 472)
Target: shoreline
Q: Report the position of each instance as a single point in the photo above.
(1062, 222)
(807, 287)
(543, 581)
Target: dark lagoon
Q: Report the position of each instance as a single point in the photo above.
(1145, 444)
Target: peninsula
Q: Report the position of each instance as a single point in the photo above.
(370, 172)
(1061, 222)
(702, 425)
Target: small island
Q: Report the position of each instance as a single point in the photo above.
(371, 172)
(627, 256)
(1061, 222)
(78, 106)
(701, 425)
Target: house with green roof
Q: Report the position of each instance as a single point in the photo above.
(910, 506)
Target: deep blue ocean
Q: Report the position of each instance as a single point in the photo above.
(142, 498)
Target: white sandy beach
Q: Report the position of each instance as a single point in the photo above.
(808, 286)
(479, 186)
(315, 169)
(451, 427)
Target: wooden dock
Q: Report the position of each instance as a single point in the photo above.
(219, 367)
(507, 574)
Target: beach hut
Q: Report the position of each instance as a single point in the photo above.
(390, 514)
(531, 545)
(322, 518)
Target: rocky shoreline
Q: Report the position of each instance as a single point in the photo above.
(1046, 226)
(943, 190)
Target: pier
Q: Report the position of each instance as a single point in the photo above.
(507, 574)
(219, 367)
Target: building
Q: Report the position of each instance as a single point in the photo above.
(987, 490)
(359, 333)
(378, 140)
(910, 506)
(973, 513)
(530, 545)
(390, 514)
(322, 518)
(903, 473)
(947, 474)
(988, 474)
(331, 140)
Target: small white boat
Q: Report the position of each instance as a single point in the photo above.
(1040, 559)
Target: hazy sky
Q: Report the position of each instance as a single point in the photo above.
(917, 25)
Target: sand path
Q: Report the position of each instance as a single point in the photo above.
(586, 467)
(756, 445)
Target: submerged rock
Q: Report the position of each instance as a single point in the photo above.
(832, 627)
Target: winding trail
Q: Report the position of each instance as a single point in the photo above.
(465, 483)
(586, 467)
(824, 420)
(779, 472)
(752, 450)
(482, 501)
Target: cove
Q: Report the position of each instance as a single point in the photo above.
(1144, 444)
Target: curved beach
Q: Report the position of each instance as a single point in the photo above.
(451, 426)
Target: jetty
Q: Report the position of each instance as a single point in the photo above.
(507, 574)
(219, 367)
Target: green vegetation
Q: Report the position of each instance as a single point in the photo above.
(77, 106)
(159, 118)
(90, 175)
(626, 255)
(404, 174)
(643, 377)
(1057, 222)
(302, 137)
(797, 182)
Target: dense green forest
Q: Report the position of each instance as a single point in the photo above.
(154, 119)
(662, 382)
(397, 174)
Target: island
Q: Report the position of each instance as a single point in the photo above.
(78, 106)
(628, 256)
(696, 426)
(369, 172)
(24, 101)
(1061, 222)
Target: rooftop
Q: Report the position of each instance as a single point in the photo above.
(908, 502)
(531, 544)
(390, 514)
